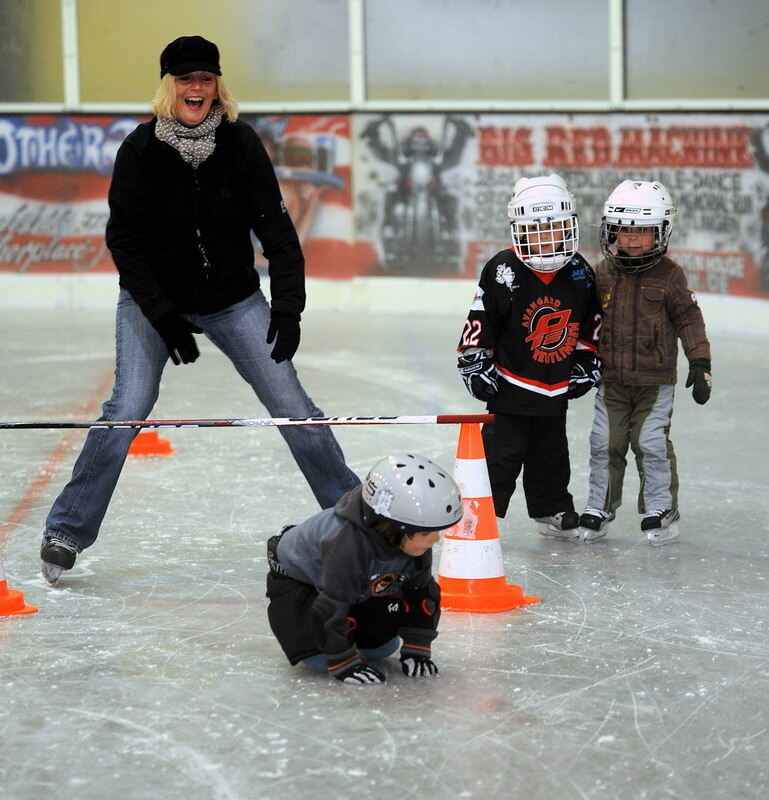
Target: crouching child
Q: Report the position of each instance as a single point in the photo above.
(353, 583)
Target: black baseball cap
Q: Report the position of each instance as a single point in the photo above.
(190, 54)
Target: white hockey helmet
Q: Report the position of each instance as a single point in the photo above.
(413, 493)
(543, 222)
(642, 205)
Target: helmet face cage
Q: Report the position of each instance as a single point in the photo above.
(543, 223)
(412, 493)
(656, 234)
(639, 217)
(546, 244)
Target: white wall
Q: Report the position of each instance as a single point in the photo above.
(361, 295)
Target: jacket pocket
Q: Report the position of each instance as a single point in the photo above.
(651, 303)
(652, 298)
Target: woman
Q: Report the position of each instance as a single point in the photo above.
(188, 188)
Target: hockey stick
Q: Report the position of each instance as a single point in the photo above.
(439, 419)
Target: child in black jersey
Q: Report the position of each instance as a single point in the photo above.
(529, 345)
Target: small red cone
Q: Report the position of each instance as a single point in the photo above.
(471, 574)
(11, 601)
(148, 443)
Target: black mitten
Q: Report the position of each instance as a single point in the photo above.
(478, 373)
(177, 332)
(286, 328)
(699, 377)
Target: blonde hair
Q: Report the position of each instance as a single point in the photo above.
(164, 102)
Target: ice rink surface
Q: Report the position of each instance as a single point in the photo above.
(150, 670)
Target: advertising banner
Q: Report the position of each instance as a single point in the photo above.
(55, 173)
(422, 195)
(54, 177)
(312, 156)
(432, 191)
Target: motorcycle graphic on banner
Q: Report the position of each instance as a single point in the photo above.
(419, 232)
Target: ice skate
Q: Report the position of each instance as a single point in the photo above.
(593, 523)
(57, 556)
(660, 527)
(563, 525)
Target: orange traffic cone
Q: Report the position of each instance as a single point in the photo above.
(148, 443)
(471, 574)
(11, 601)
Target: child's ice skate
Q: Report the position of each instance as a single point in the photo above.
(57, 556)
(660, 527)
(593, 523)
(563, 525)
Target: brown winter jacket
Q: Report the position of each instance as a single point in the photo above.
(644, 314)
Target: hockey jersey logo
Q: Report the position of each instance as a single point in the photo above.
(505, 275)
(552, 337)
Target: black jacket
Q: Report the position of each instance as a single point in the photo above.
(181, 238)
(537, 325)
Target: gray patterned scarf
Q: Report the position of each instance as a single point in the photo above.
(196, 144)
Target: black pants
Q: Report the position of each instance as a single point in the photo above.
(371, 623)
(538, 445)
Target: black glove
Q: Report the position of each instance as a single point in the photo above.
(585, 374)
(177, 332)
(699, 377)
(478, 373)
(418, 667)
(286, 328)
(361, 673)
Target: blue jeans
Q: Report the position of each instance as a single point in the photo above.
(239, 331)
(318, 663)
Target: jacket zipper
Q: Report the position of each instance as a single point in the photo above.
(634, 348)
(207, 268)
(657, 347)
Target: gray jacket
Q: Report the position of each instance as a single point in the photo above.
(348, 562)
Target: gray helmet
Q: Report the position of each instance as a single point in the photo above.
(413, 493)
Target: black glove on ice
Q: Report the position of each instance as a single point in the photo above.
(699, 377)
(177, 332)
(478, 373)
(585, 374)
(361, 673)
(418, 667)
(286, 328)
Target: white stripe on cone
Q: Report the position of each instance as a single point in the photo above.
(472, 477)
(471, 560)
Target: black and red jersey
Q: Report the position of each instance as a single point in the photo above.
(534, 323)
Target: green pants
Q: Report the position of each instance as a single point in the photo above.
(639, 417)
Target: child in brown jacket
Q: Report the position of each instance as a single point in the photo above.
(647, 307)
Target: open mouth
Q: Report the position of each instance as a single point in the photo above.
(194, 102)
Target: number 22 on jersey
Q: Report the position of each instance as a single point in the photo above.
(471, 334)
